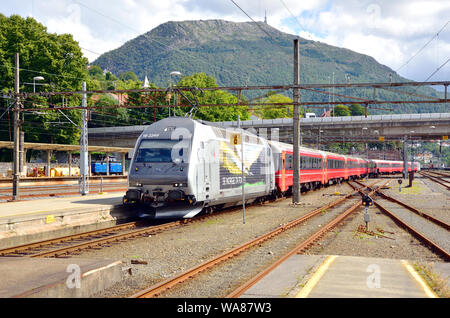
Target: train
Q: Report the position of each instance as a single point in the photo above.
(181, 167)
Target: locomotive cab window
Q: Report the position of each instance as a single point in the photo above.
(158, 151)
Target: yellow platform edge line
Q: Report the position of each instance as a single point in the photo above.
(312, 282)
(420, 280)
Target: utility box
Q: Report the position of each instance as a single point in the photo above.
(98, 168)
(115, 167)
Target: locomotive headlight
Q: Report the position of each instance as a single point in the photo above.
(180, 185)
(138, 184)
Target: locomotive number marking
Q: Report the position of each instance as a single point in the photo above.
(231, 180)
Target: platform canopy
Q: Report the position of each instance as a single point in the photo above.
(62, 147)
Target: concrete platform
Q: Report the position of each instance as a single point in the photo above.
(29, 221)
(56, 278)
(316, 276)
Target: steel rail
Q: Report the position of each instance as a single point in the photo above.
(445, 175)
(439, 176)
(61, 187)
(418, 234)
(110, 239)
(298, 249)
(158, 288)
(30, 196)
(23, 248)
(411, 208)
(435, 180)
(102, 241)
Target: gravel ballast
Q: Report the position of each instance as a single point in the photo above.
(171, 252)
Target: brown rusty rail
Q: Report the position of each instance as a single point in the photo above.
(27, 249)
(419, 235)
(411, 208)
(22, 249)
(435, 179)
(299, 248)
(159, 288)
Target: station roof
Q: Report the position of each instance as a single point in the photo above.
(62, 147)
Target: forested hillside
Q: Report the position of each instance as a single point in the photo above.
(242, 54)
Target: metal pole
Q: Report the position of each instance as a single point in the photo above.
(84, 161)
(333, 95)
(242, 169)
(16, 177)
(22, 156)
(296, 121)
(405, 158)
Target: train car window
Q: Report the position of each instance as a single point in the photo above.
(289, 162)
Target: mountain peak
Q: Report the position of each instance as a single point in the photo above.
(241, 53)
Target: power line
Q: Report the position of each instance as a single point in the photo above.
(423, 47)
(257, 24)
(338, 67)
(437, 70)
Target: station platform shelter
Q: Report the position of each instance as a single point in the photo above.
(70, 149)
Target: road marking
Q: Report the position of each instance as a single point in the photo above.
(419, 279)
(312, 282)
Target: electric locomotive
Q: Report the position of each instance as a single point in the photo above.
(181, 167)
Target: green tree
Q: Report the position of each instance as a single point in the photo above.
(57, 58)
(106, 116)
(341, 110)
(275, 111)
(147, 104)
(96, 72)
(357, 110)
(213, 113)
(128, 76)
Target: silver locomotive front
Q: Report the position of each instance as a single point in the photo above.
(159, 172)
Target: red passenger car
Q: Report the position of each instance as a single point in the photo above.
(319, 168)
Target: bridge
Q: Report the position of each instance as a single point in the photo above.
(433, 126)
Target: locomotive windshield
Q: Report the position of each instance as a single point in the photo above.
(157, 151)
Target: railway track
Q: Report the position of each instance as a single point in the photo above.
(241, 290)
(74, 244)
(440, 180)
(161, 287)
(442, 174)
(433, 232)
(41, 191)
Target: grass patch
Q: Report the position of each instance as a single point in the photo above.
(212, 221)
(417, 188)
(437, 283)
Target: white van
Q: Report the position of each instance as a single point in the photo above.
(310, 115)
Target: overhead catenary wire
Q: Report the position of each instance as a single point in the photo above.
(257, 24)
(437, 70)
(423, 47)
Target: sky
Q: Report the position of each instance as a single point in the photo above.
(410, 36)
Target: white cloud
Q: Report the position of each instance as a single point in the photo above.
(390, 31)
